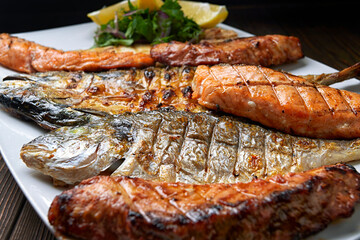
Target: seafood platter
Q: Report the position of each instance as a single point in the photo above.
(224, 135)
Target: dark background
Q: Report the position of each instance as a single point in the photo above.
(21, 16)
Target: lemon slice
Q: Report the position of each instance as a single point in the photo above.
(104, 15)
(152, 5)
(205, 14)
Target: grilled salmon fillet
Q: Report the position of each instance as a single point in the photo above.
(26, 56)
(293, 206)
(279, 100)
(261, 50)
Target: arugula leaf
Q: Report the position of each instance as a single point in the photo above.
(140, 25)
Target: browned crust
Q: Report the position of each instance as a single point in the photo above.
(261, 50)
(283, 207)
(279, 100)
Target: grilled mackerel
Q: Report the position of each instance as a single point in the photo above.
(50, 98)
(179, 147)
(293, 206)
(279, 100)
(260, 50)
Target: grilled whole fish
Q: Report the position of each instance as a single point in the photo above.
(279, 100)
(260, 50)
(50, 98)
(179, 147)
(26, 56)
(293, 206)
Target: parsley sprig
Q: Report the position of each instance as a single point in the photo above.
(144, 26)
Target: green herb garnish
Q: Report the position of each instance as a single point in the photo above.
(143, 26)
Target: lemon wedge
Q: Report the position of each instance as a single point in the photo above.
(104, 15)
(152, 5)
(205, 14)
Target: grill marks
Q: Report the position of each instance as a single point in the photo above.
(261, 209)
(181, 147)
(279, 100)
(202, 148)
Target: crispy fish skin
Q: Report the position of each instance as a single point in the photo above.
(50, 98)
(81, 152)
(260, 50)
(29, 100)
(26, 56)
(279, 100)
(293, 206)
(180, 147)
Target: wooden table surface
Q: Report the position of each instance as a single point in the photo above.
(329, 33)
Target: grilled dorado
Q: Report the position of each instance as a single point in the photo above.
(279, 100)
(293, 206)
(50, 98)
(179, 147)
(266, 50)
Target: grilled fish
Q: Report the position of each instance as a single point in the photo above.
(26, 56)
(279, 100)
(293, 206)
(50, 98)
(261, 50)
(179, 147)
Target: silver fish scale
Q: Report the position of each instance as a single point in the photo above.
(202, 148)
(178, 146)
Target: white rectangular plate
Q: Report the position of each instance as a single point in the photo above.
(38, 188)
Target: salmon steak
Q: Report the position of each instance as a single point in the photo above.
(266, 50)
(176, 146)
(26, 56)
(279, 100)
(293, 206)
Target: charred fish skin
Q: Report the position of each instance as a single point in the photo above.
(293, 206)
(187, 147)
(112, 92)
(259, 50)
(30, 101)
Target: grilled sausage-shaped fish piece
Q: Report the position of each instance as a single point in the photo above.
(293, 206)
(279, 100)
(26, 56)
(260, 50)
(179, 147)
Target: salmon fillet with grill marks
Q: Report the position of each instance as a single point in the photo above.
(293, 206)
(26, 56)
(261, 50)
(279, 100)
